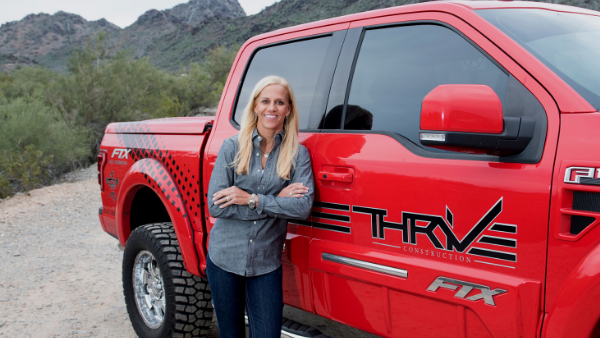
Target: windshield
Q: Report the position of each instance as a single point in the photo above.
(568, 43)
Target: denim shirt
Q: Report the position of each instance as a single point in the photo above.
(249, 242)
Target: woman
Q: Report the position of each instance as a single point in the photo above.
(262, 177)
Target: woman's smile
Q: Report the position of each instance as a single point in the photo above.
(272, 106)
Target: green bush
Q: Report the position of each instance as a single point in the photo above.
(28, 121)
(22, 171)
(51, 123)
(26, 82)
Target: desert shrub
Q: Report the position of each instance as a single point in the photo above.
(102, 87)
(201, 85)
(22, 171)
(193, 89)
(26, 82)
(53, 122)
(29, 121)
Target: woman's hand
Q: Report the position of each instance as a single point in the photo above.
(293, 190)
(231, 195)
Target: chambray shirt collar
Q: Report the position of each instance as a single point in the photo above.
(278, 137)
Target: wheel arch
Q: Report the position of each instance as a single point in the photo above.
(575, 311)
(147, 207)
(149, 180)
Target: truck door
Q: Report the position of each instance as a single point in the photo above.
(308, 64)
(414, 241)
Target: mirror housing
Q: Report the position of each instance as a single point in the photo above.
(468, 118)
(462, 108)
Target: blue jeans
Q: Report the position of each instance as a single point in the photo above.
(261, 297)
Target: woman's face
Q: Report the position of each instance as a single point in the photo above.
(272, 106)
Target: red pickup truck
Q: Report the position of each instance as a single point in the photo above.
(457, 185)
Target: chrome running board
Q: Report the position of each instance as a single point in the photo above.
(293, 329)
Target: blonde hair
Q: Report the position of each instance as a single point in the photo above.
(289, 146)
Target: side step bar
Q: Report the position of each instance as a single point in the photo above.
(293, 329)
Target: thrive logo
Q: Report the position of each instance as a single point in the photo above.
(410, 229)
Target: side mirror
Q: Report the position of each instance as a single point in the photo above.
(468, 118)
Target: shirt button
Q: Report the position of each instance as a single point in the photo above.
(250, 241)
(256, 154)
(254, 222)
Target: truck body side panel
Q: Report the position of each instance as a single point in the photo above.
(169, 164)
(573, 280)
(147, 172)
(575, 311)
(395, 184)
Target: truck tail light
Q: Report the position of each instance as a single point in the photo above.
(101, 160)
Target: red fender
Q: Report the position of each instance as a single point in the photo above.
(575, 311)
(151, 173)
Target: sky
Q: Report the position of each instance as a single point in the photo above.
(120, 12)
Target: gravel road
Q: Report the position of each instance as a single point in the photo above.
(60, 273)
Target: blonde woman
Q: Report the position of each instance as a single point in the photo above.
(262, 177)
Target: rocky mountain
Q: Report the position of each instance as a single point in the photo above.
(175, 37)
(47, 39)
(154, 24)
(196, 11)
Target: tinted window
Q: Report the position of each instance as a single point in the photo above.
(398, 66)
(567, 43)
(299, 62)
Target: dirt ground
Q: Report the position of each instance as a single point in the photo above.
(60, 273)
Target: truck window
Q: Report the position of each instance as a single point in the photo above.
(299, 62)
(398, 66)
(568, 43)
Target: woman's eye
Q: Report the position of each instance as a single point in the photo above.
(265, 101)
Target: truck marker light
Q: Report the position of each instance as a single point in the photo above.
(432, 137)
(465, 288)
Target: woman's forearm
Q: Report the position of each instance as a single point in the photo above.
(241, 212)
(292, 207)
(285, 207)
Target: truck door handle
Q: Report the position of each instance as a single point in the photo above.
(336, 177)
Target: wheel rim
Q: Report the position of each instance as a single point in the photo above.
(149, 289)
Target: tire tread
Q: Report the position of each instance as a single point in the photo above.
(193, 309)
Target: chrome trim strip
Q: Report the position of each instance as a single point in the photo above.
(504, 266)
(388, 270)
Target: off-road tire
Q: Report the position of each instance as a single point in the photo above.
(188, 311)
